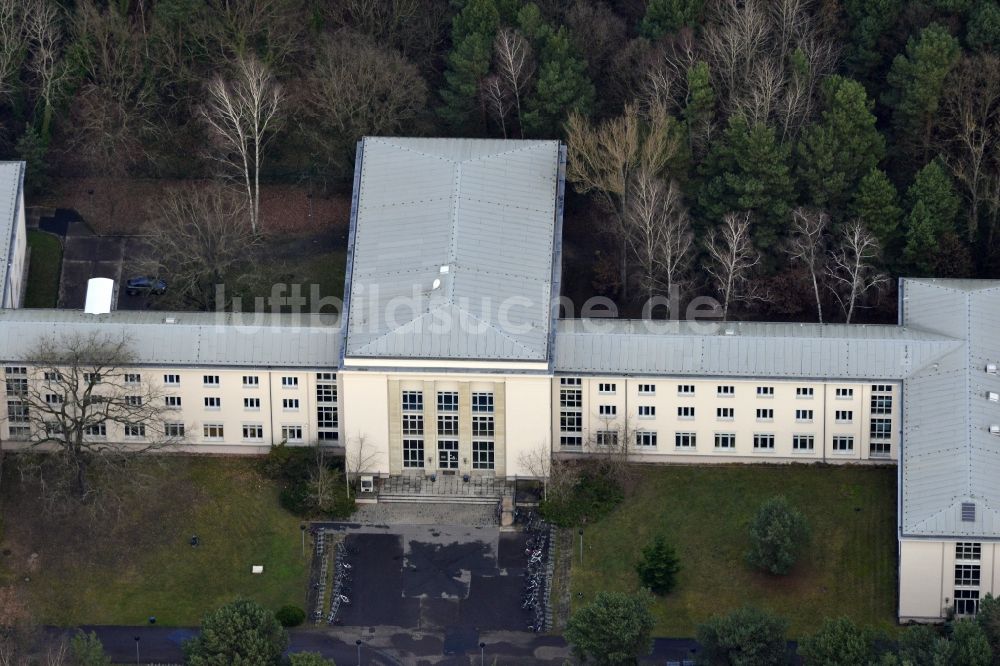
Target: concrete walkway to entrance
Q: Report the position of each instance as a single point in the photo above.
(445, 486)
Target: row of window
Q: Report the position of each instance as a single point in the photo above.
(611, 388)
(727, 413)
(447, 401)
(967, 575)
(447, 425)
(483, 454)
(215, 402)
(689, 440)
(249, 381)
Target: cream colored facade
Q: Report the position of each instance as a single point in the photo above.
(681, 419)
(938, 576)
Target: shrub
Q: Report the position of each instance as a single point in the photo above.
(239, 632)
(745, 636)
(659, 566)
(777, 535)
(593, 495)
(839, 641)
(299, 470)
(290, 616)
(613, 629)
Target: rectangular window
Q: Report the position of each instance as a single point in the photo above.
(17, 411)
(292, 433)
(608, 389)
(881, 388)
(804, 392)
(482, 403)
(844, 416)
(570, 398)
(570, 440)
(53, 376)
(647, 389)
(19, 433)
(17, 385)
(413, 453)
(447, 401)
(645, 438)
(685, 440)
(571, 422)
(881, 429)
(725, 413)
(607, 437)
(135, 430)
(133, 400)
(879, 449)
(725, 440)
(569, 381)
(213, 432)
(966, 602)
(290, 404)
(448, 425)
(253, 431)
(726, 391)
(16, 370)
(326, 393)
(252, 404)
(607, 410)
(210, 380)
(213, 402)
(413, 401)
(131, 378)
(173, 380)
(251, 381)
(803, 415)
(483, 455)
(92, 377)
(765, 391)
(765, 414)
(413, 424)
(173, 429)
(54, 399)
(685, 389)
(803, 442)
(763, 441)
(326, 418)
(647, 411)
(881, 404)
(98, 430)
(967, 574)
(482, 426)
(845, 393)
(967, 550)
(685, 412)
(289, 382)
(843, 443)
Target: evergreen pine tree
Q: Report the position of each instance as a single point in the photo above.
(562, 87)
(876, 203)
(472, 32)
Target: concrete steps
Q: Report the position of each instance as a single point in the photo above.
(438, 499)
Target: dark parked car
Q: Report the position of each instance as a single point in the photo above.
(142, 285)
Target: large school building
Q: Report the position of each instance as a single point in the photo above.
(450, 357)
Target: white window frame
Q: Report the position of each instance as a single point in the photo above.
(686, 413)
(647, 411)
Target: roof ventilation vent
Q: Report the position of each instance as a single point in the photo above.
(994, 429)
(968, 512)
(444, 269)
(170, 320)
(992, 396)
(991, 368)
(436, 284)
(730, 330)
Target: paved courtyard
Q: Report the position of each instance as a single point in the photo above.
(455, 581)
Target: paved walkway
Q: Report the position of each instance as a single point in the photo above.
(383, 513)
(476, 486)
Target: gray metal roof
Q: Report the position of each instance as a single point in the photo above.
(11, 177)
(195, 339)
(474, 217)
(744, 349)
(949, 456)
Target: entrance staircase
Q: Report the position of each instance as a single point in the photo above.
(444, 489)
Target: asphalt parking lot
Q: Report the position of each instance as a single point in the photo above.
(452, 580)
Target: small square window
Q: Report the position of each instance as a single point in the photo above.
(482, 403)
(413, 401)
(447, 401)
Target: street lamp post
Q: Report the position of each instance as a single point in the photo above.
(302, 528)
(358, 643)
(136, 651)
(581, 546)
(482, 654)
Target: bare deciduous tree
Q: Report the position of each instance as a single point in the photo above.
(12, 43)
(659, 233)
(358, 457)
(201, 238)
(852, 268)
(732, 260)
(359, 88)
(84, 406)
(537, 461)
(43, 27)
(970, 124)
(242, 113)
(494, 94)
(606, 159)
(515, 66)
(807, 244)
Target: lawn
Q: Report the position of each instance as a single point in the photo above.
(143, 565)
(848, 569)
(43, 270)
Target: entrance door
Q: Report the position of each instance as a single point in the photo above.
(447, 454)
